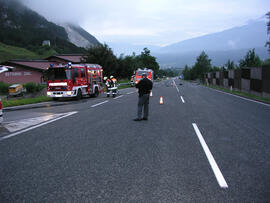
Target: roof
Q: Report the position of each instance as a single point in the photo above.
(35, 64)
(74, 58)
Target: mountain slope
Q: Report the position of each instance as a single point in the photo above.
(248, 36)
(25, 28)
(230, 44)
(8, 52)
(79, 36)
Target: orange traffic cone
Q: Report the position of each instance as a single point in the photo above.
(161, 100)
(151, 94)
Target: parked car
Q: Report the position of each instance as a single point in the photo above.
(1, 112)
(15, 90)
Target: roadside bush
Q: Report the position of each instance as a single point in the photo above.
(4, 88)
(33, 87)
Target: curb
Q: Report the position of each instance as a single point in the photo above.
(41, 105)
(33, 106)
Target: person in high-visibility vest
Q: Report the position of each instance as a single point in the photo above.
(107, 83)
(113, 81)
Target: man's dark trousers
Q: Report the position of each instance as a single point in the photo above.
(143, 104)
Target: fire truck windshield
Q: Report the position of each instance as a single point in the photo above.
(58, 74)
(140, 72)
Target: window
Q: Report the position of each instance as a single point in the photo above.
(75, 73)
(82, 73)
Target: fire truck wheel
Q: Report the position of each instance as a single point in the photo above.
(79, 94)
(96, 92)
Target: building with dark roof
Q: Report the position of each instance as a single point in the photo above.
(25, 71)
(65, 58)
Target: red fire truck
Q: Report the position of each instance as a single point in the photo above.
(74, 80)
(139, 72)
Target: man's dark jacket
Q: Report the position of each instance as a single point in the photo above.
(145, 86)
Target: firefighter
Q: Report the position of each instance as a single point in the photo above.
(113, 81)
(107, 84)
(113, 86)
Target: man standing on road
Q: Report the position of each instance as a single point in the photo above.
(145, 86)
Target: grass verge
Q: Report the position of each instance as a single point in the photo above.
(23, 101)
(242, 94)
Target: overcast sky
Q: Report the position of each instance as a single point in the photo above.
(151, 22)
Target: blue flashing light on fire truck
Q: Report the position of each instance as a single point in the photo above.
(74, 80)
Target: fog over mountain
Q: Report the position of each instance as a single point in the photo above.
(251, 35)
(230, 44)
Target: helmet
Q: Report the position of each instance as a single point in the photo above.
(144, 74)
(105, 78)
(111, 76)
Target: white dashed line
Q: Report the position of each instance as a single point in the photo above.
(176, 86)
(118, 97)
(130, 92)
(182, 99)
(221, 181)
(39, 125)
(99, 103)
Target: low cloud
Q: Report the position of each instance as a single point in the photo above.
(156, 22)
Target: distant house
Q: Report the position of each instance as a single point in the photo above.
(25, 71)
(65, 58)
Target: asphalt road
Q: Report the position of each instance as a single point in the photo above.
(201, 145)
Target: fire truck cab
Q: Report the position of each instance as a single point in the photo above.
(139, 72)
(74, 80)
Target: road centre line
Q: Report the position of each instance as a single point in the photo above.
(240, 97)
(99, 103)
(36, 126)
(118, 97)
(130, 92)
(221, 181)
(176, 86)
(182, 99)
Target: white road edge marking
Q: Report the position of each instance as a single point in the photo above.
(182, 99)
(99, 103)
(36, 126)
(240, 97)
(118, 97)
(221, 181)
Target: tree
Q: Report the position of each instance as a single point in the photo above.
(268, 31)
(145, 60)
(103, 55)
(127, 65)
(187, 73)
(230, 65)
(250, 60)
(202, 66)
